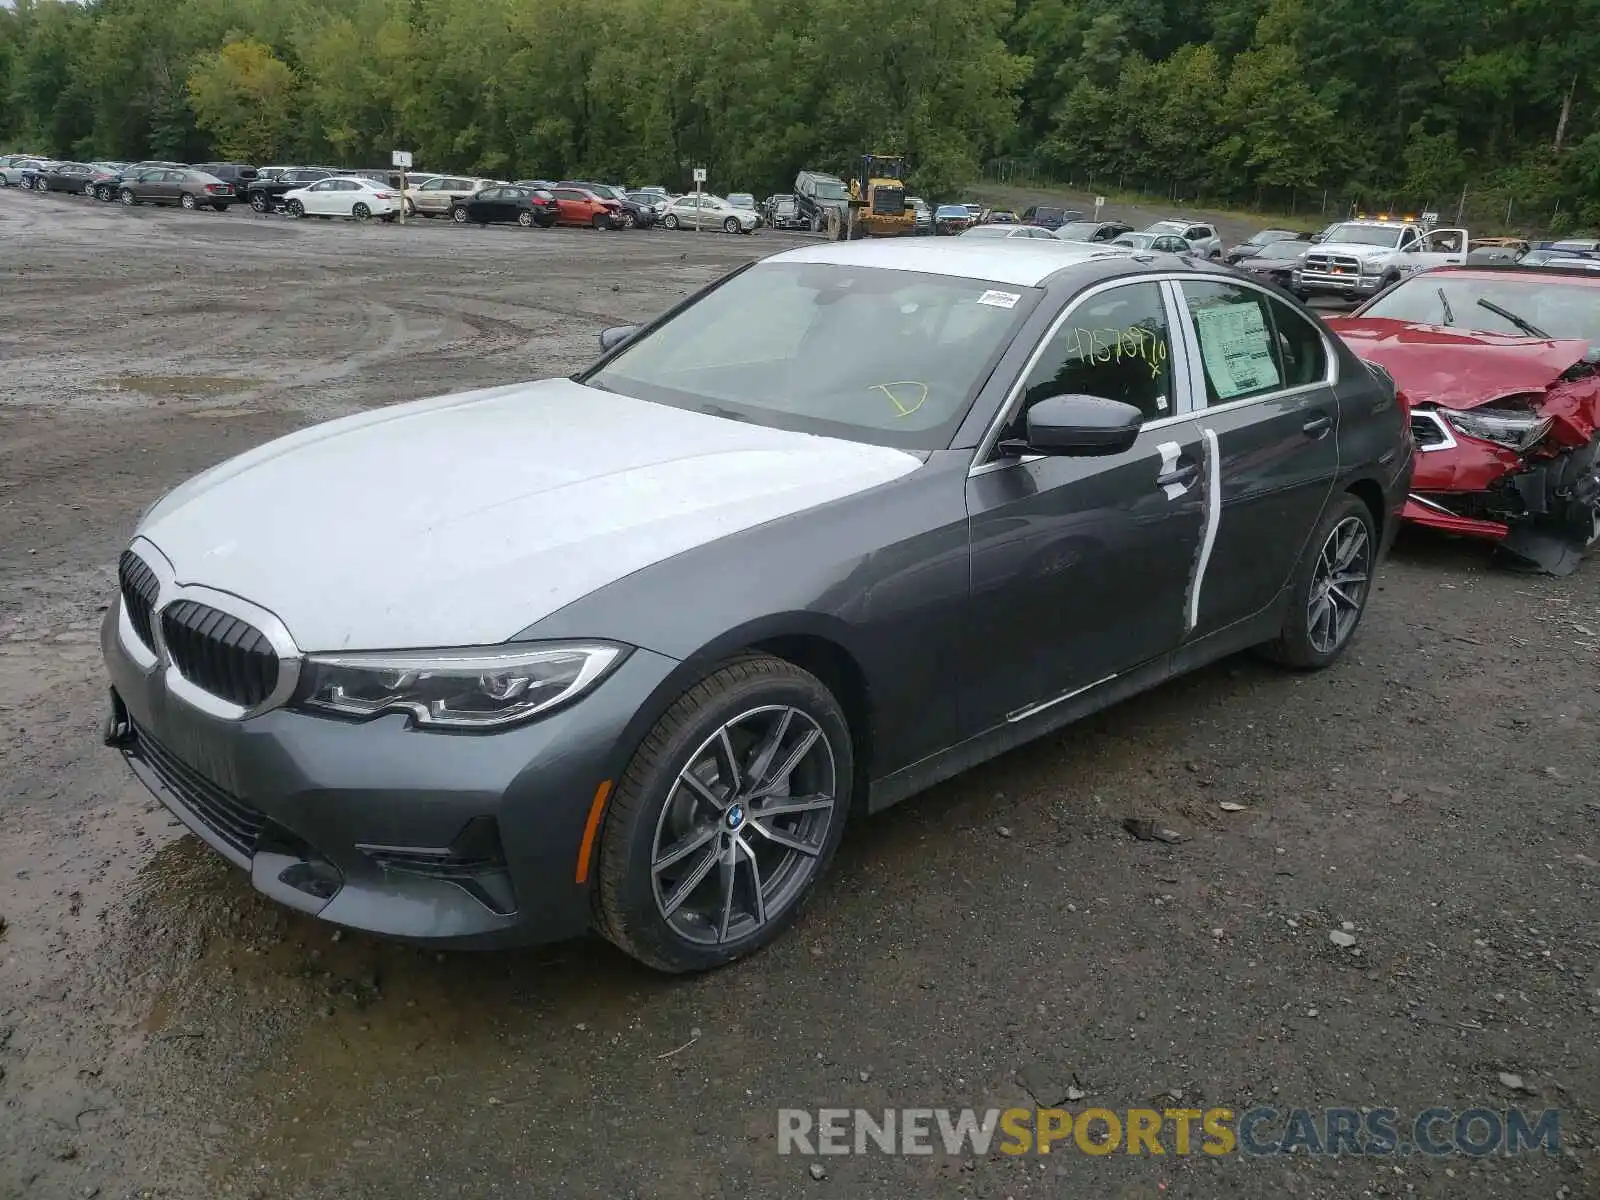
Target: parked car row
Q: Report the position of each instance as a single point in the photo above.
(313, 191)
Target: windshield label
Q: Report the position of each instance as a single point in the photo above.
(996, 299)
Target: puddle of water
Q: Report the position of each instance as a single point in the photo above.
(180, 385)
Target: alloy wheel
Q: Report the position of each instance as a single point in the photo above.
(525, 219)
(361, 212)
(458, 215)
(1339, 585)
(740, 834)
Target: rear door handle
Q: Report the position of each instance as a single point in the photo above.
(1317, 425)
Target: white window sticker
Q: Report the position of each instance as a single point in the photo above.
(1237, 348)
(996, 299)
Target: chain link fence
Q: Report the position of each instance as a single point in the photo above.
(1484, 210)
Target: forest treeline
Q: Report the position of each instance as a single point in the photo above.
(1245, 100)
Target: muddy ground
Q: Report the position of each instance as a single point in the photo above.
(166, 1033)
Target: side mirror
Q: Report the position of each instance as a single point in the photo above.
(1078, 425)
(611, 338)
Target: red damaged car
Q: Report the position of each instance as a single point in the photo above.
(1500, 367)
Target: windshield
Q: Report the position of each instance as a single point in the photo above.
(1365, 235)
(830, 189)
(741, 199)
(1138, 241)
(1166, 227)
(1001, 230)
(887, 357)
(1078, 231)
(1561, 309)
(953, 210)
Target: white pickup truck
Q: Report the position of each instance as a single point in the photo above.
(1355, 259)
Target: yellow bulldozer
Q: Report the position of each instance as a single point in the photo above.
(877, 201)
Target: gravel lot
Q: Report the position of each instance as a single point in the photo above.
(165, 1033)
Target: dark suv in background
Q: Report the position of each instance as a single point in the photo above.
(1046, 217)
(241, 175)
(266, 194)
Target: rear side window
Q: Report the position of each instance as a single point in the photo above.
(1305, 356)
(1237, 351)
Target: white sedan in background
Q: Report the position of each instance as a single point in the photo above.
(343, 196)
(705, 211)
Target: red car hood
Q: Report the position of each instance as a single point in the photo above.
(1456, 368)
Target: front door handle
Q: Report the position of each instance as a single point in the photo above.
(1179, 476)
(1317, 425)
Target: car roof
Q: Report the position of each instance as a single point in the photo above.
(1028, 263)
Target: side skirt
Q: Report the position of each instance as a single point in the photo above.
(991, 743)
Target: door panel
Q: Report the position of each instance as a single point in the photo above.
(1268, 423)
(1081, 565)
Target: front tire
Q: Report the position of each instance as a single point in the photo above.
(361, 212)
(670, 221)
(259, 203)
(104, 193)
(726, 817)
(458, 215)
(127, 197)
(295, 209)
(1331, 587)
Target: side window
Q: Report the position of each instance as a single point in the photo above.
(1305, 357)
(1234, 327)
(1115, 345)
(567, 194)
(433, 185)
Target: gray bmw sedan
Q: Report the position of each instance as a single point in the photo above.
(626, 652)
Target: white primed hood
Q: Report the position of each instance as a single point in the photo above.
(461, 520)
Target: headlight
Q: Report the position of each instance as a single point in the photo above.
(1505, 427)
(1372, 266)
(484, 688)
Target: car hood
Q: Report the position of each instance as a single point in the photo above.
(1358, 249)
(1454, 367)
(463, 519)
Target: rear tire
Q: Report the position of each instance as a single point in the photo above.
(525, 219)
(104, 193)
(600, 223)
(731, 225)
(653, 810)
(187, 201)
(258, 202)
(1330, 590)
(220, 207)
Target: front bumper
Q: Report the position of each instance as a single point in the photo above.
(468, 840)
(1320, 283)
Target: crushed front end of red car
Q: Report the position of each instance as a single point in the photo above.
(1507, 432)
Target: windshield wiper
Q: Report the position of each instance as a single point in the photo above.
(716, 410)
(1444, 303)
(1527, 327)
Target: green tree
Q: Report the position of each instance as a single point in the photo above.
(243, 96)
